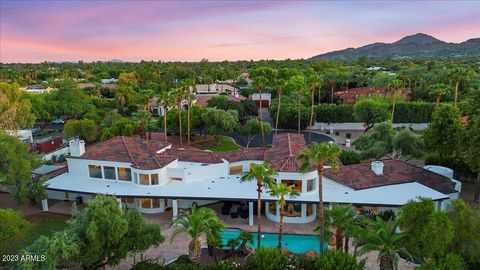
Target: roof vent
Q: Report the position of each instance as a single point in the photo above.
(377, 167)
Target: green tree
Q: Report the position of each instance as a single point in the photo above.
(458, 75)
(16, 165)
(349, 158)
(263, 174)
(382, 236)
(84, 129)
(466, 239)
(145, 123)
(252, 128)
(15, 112)
(281, 190)
(107, 234)
(370, 111)
(438, 90)
(445, 132)
(317, 154)
(344, 220)
(336, 259)
(167, 100)
(69, 101)
(198, 221)
(58, 250)
(121, 127)
(13, 224)
(219, 121)
(472, 153)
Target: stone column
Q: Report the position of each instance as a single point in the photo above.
(250, 213)
(174, 209)
(45, 205)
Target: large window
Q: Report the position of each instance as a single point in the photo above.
(272, 208)
(296, 183)
(135, 177)
(144, 179)
(310, 184)
(124, 174)
(154, 179)
(109, 172)
(155, 203)
(310, 210)
(95, 171)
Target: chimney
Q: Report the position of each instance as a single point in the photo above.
(77, 147)
(377, 167)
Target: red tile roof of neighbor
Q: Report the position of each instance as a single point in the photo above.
(202, 100)
(350, 96)
(361, 176)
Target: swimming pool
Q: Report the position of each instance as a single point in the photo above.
(297, 243)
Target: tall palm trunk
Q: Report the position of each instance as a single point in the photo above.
(188, 120)
(477, 188)
(438, 100)
(457, 85)
(320, 203)
(311, 115)
(331, 93)
(165, 123)
(280, 226)
(394, 102)
(180, 121)
(261, 114)
(298, 111)
(259, 213)
(319, 94)
(347, 240)
(278, 108)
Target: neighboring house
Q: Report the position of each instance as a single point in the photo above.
(215, 88)
(48, 144)
(86, 85)
(266, 99)
(202, 100)
(25, 135)
(351, 96)
(152, 177)
(38, 89)
(157, 109)
(109, 81)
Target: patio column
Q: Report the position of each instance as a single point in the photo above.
(250, 213)
(174, 209)
(45, 205)
(119, 201)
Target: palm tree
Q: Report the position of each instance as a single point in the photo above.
(263, 174)
(245, 238)
(344, 220)
(459, 74)
(316, 155)
(382, 236)
(438, 90)
(260, 82)
(179, 93)
(280, 83)
(314, 80)
(395, 84)
(196, 222)
(167, 100)
(282, 190)
(189, 91)
(144, 119)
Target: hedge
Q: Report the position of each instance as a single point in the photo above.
(405, 112)
(288, 116)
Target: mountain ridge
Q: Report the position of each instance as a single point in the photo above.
(417, 45)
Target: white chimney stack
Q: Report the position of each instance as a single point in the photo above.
(77, 147)
(377, 167)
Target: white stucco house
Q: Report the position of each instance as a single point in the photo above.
(153, 177)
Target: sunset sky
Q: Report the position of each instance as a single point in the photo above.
(35, 31)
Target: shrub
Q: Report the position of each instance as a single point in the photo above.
(349, 158)
(337, 132)
(327, 131)
(336, 259)
(268, 259)
(348, 135)
(153, 265)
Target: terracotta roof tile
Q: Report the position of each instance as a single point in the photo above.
(189, 155)
(361, 176)
(140, 153)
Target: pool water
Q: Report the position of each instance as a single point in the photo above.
(297, 243)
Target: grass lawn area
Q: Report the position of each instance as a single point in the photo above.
(225, 144)
(41, 224)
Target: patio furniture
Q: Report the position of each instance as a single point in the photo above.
(226, 210)
(244, 213)
(234, 215)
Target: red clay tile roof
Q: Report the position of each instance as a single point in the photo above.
(243, 154)
(202, 99)
(141, 153)
(190, 155)
(350, 96)
(361, 176)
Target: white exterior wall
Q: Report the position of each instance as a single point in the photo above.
(61, 196)
(201, 172)
(245, 164)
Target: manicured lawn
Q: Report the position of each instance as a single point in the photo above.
(225, 144)
(41, 224)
